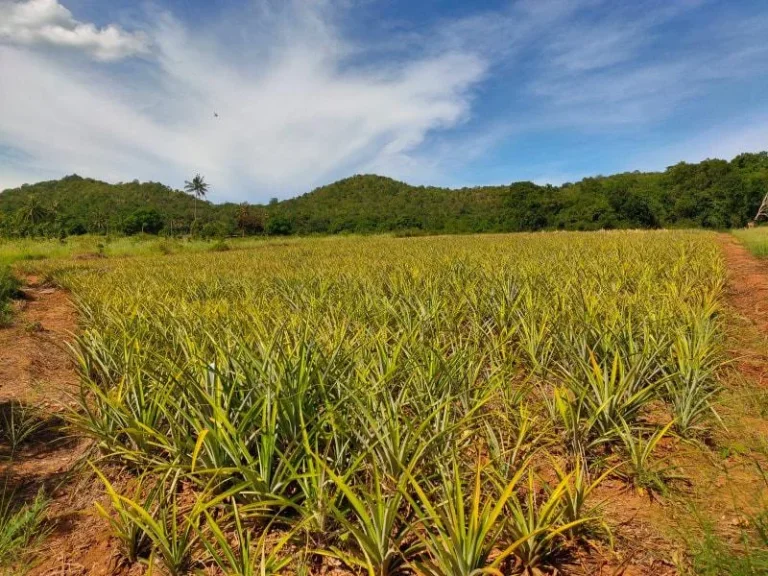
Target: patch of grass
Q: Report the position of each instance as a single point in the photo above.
(755, 239)
(18, 424)
(744, 555)
(34, 252)
(20, 527)
(9, 288)
(714, 556)
(220, 246)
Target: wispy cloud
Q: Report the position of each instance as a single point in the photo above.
(293, 116)
(607, 68)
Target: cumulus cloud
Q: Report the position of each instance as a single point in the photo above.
(48, 23)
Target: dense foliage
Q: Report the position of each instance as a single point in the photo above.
(711, 194)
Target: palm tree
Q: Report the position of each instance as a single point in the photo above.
(198, 188)
(32, 212)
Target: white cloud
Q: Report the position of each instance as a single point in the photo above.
(48, 23)
(293, 112)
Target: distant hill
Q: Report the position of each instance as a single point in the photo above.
(75, 205)
(711, 194)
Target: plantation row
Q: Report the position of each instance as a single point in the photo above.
(430, 405)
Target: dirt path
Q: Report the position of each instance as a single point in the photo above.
(747, 294)
(34, 364)
(37, 382)
(732, 485)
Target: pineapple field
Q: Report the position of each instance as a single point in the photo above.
(547, 403)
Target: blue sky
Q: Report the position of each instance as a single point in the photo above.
(442, 92)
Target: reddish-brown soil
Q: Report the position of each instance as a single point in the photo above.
(748, 296)
(747, 282)
(34, 364)
(37, 374)
(36, 370)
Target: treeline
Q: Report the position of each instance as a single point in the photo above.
(710, 194)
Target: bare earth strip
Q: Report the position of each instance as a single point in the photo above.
(748, 296)
(36, 372)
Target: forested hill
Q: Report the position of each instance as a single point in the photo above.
(713, 194)
(75, 205)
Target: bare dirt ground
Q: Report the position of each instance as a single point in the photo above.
(34, 364)
(37, 376)
(36, 370)
(745, 401)
(748, 296)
